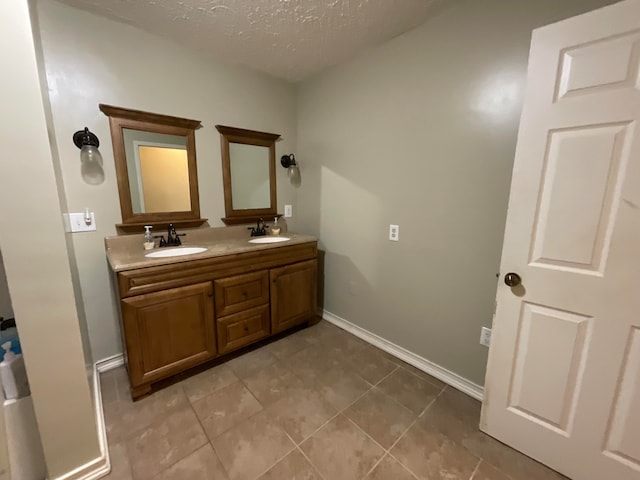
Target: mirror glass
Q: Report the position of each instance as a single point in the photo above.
(249, 176)
(158, 170)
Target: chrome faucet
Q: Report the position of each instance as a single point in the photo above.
(259, 230)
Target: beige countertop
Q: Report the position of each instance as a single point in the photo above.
(126, 252)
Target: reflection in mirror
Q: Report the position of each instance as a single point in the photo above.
(158, 171)
(249, 176)
(155, 159)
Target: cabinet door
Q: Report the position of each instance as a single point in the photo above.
(167, 332)
(241, 292)
(240, 329)
(293, 294)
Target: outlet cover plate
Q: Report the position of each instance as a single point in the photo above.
(394, 233)
(485, 336)
(288, 211)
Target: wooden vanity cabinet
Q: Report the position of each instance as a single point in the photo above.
(293, 294)
(168, 332)
(177, 316)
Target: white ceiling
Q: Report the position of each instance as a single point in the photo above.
(289, 39)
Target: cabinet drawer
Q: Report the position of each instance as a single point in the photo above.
(240, 329)
(241, 292)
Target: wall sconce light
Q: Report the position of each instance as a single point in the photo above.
(90, 158)
(289, 162)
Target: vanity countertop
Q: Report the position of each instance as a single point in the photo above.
(127, 253)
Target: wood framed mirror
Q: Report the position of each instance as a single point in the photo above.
(248, 174)
(155, 159)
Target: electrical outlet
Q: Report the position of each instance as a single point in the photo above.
(485, 336)
(394, 233)
(288, 211)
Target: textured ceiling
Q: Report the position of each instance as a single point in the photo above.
(289, 39)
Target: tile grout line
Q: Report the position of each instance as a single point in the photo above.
(311, 463)
(409, 428)
(204, 430)
(475, 470)
(278, 460)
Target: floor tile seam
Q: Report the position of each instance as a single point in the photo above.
(369, 436)
(210, 393)
(209, 442)
(262, 409)
(244, 420)
(393, 445)
(386, 376)
(439, 384)
(124, 438)
(177, 460)
(403, 466)
(357, 399)
(431, 403)
(311, 463)
(293, 447)
(475, 470)
(375, 465)
(417, 415)
(473, 454)
(298, 444)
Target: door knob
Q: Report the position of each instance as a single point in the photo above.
(512, 279)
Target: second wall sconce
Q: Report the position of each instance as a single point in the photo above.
(90, 158)
(293, 171)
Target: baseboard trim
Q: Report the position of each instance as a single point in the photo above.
(100, 466)
(447, 376)
(109, 363)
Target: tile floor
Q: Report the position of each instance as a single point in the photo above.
(318, 404)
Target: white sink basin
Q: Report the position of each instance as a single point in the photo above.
(269, 240)
(175, 252)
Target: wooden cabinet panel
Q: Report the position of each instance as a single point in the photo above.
(172, 320)
(240, 329)
(234, 294)
(293, 294)
(167, 332)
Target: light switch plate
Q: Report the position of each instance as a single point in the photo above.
(75, 222)
(288, 211)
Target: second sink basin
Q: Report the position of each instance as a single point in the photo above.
(175, 252)
(269, 240)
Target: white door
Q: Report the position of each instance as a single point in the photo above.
(563, 380)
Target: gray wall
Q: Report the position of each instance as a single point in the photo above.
(91, 60)
(420, 132)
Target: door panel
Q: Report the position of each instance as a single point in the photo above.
(170, 331)
(623, 435)
(293, 294)
(601, 64)
(544, 395)
(576, 203)
(563, 378)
